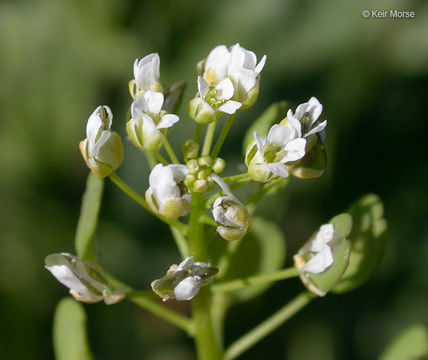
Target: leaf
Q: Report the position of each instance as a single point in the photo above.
(88, 219)
(367, 242)
(261, 251)
(412, 343)
(69, 331)
(173, 97)
(272, 115)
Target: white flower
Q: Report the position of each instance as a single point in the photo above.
(102, 149)
(167, 195)
(269, 157)
(230, 214)
(146, 76)
(307, 114)
(146, 129)
(240, 66)
(323, 256)
(183, 281)
(85, 282)
(320, 248)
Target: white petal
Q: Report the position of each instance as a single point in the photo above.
(318, 128)
(242, 57)
(66, 277)
(146, 71)
(230, 107)
(225, 89)
(314, 109)
(185, 264)
(278, 169)
(167, 121)
(260, 65)
(179, 172)
(188, 288)
(225, 188)
(154, 101)
(295, 150)
(320, 262)
(279, 135)
(294, 124)
(259, 144)
(324, 235)
(138, 106)
(216, 64)
(202, 87)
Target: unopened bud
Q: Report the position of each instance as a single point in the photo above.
(232, 218)
(218, 165)
(201, 112)
(190, 149)
(200, 186)
(205, 160)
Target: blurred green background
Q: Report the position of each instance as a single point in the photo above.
(62, 58)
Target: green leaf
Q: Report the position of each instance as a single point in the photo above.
(173, 97)
(272, 115)
(367, 242)
(88, 218)
(69, 331)
(412, 343)
(261, 251)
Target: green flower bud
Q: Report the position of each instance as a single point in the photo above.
(190, 149)
(86, 281)
(201, 112)
(204, 173)
(218, 165)
(200, 186)
(193, 166)
(205, 160)
(189, 180)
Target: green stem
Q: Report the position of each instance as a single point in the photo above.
(209, 137)
(207, 345)
(254, 280)
(160, 158)
(164, 313)
(234, 186)
(141, 201)
(222, 136)
(207, 220)
(198, 130)
(238, 177)
(180, 241)
(267, 326)
(150, 159)
(170, 151)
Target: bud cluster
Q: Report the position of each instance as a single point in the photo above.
(200, 169)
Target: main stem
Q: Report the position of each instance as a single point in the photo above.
(207, 345)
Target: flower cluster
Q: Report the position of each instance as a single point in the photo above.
(286, 142)
(228, 80)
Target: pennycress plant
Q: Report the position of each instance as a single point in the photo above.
(210, 225)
